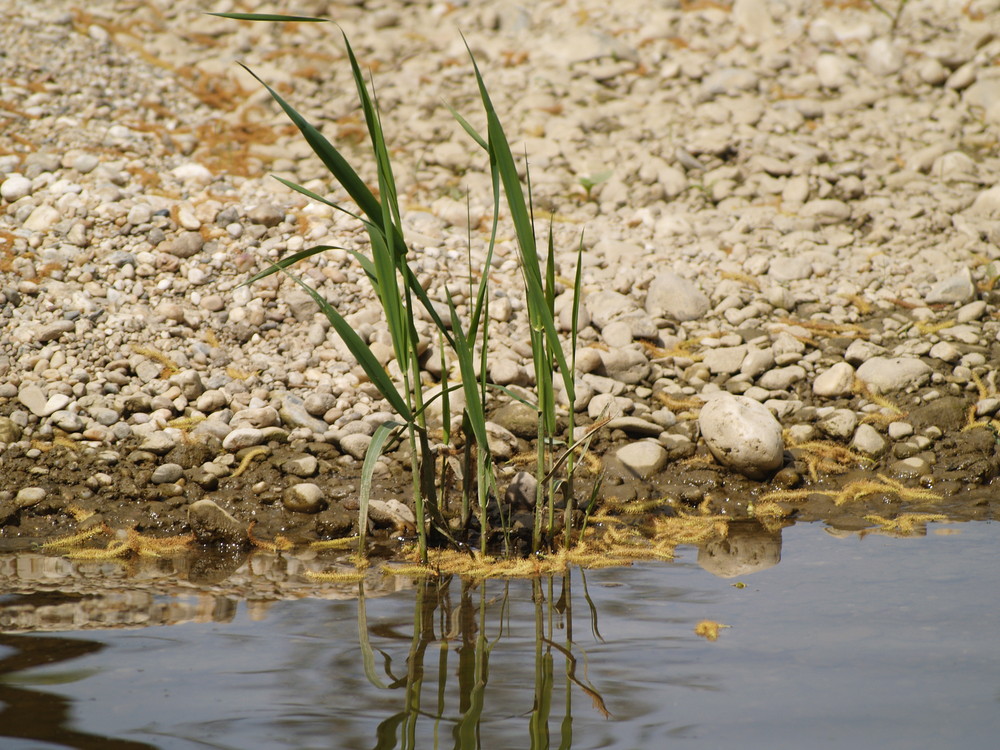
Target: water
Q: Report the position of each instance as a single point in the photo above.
(851, 642)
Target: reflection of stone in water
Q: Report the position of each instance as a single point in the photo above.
(747, 548)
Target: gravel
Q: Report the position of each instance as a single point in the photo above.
(798, 196)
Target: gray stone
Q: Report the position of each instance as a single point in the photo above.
(781, 378)
(519, 418)
(189, 381)
(502, 442)
(212, 524)
(607, 306)
(267, 214)
(956, 288)
(839, 424)
(642, 458)
(861, 351)
(293, 414)
(826, 211)
(259, 417)
(317, 404)
(54, 330)
(355, 444)
(725, 359)
(158, 443)
(27, 496)
(671, 296)
(521, 493)
(835, 381)
(301, 466)
(867, 440)
(242, 437)
(391, 513)
(608, 405)
(165, 473)
(743, 435)
(627, 365)
(635, 427)
(184, 245)
(67, 421)
(887, 374)
(304, 498)
(211, 401)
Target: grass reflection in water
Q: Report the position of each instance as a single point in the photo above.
(445, 699)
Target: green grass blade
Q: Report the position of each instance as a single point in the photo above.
(473, 133)
(290, 260)
(269, 17)
(361, 352)
(316, 197)
(330, 156)
(473, 402)
(379, 438)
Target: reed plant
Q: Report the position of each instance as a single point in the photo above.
(395, 284)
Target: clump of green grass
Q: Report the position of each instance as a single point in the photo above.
(399, 293)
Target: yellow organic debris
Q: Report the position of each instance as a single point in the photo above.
(709, 629)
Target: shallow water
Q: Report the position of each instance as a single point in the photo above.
(847, 643)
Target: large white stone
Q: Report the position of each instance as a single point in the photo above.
(887, 374)
(743, 435)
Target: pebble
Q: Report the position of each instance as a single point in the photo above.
(15, 187)
(301, 466)
(867, 440)
(643, 458)
(165, 473)
(836, 381)
(212, 524)
(305, 497)
(671, 296)
(28, 496)
(355, 445)
(242, 437)
(743, 435)
(158, 443)
(889, 374)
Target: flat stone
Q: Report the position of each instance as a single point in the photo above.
(242, 437)
(635, 427)
(839, 424)
(835, 381)
(642, 458)
(27, 496)
(212, 524)
(743, 435)
(301, 466)
(887, 374)
(158, 443)
(184, 245)
(355, 444)
(672, 296)
(519, 418)
(54, 330)
(165, 473)
(293, 414)
(867, 440)
(956, 288)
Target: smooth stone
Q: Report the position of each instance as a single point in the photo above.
(635, 427)
(184, 245)
(867, 440)
(743, 435)
(672, 296)
(826, 211)
(293, 414)
(301, 466)
(67, 421)
(355, 444)
(391, 513)
(260, 417)
(165, 473)
(190, 383)
(521, 493)
(27, 496)
(607, 306)
(212, 524)
(956, 288)
(642, 458)
(887, 374)
(945, 351)
(504, 371)
(519, 418)
(900, 430)
(42, 219)
(627, 365)
(781, 378)
(725, 360)
(15, 187)
(54, 330)
(861, 351)
(33, 399)
(242, 437)
(910, 468)
(757, 361)
(835, 381)
(839, 424)
(267, 214)
(502, 442)
(608, 405)
(211, 401)
(304, 498)
(317, 404)
(158, 443)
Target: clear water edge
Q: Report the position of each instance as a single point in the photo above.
(847, 643)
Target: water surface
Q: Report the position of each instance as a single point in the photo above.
(849, 642)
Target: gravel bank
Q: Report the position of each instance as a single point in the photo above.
(794, 205)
